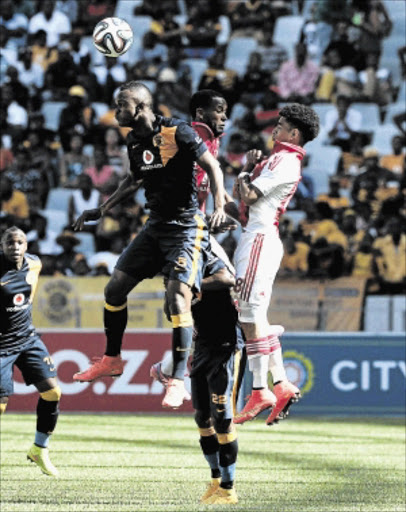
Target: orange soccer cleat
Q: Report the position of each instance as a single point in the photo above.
(259, 400)
(286, 394)
(106, 366)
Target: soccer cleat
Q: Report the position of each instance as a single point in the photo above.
(211, 489)
(260, 400)
(157, 374)
(41, 458)
(175, 394)
(223, 497)
(106, 366)
(286, 394)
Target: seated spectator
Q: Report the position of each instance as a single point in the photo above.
(12, 201)
(8, 57)
(77, 117)
(294, 262)
(87, 79)
(13, 24)
(41, 237)
(390, 259)
(6, 157)
(66, 259)
(62, 74)
(54, 22)
(325, 260)
(376, 84)
(70, 8)
(201, 31)
(116, 151)
(167, 30)
(41, 54)
(85, 197)
(93, 11)
(297, 78)
(25, 178)
(340, 43)
(256, 80)
(395, 161)
(107, 258)
(273, 55)
(151, 56)
(327, 228)
(102, 175)
(362, 264)
(20, 91)
(395, 205)
(220, 78)
(347, 83)
(351, 161)
(36, 123)
(248, 18)
(42, 158)
(331, 64)
(342, 123)
(80, 266)
(73, 163)
(354, 235)
(30, 74)
(334, 198)
(172, 97)
(109, 76)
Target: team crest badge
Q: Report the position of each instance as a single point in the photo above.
(18, 299)
(158, 140)
(148, 157)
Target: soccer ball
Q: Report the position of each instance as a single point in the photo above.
(112, 37)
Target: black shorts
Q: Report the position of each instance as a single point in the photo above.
(215, 379)
(33, 361)
(179, 249)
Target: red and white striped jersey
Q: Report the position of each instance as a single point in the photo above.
(277, 178)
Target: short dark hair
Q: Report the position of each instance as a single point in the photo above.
(138, 86)
(303, 118)
(203, 99)
(10, 231)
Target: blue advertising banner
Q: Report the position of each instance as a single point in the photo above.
(345, 373)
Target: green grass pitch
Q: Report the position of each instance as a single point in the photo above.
(137, 463)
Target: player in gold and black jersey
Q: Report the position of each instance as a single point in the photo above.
(175, 239)
(20, 344)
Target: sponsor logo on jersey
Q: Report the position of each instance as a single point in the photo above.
(148, 157)
(158, 140)
(18, 300)
(198, 140)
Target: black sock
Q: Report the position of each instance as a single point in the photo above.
(257, 389)
(215, 473)
(47, 415)
(115, 322)
(227, 485)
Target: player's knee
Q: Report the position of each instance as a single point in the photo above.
(227, 437)
(202, 419)
(223, 426)
(52, 395)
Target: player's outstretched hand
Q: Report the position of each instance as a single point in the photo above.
(218, 217)
(253, 157)
(86, 215)
(228, 225)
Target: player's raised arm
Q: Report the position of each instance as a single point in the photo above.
(212, 167)
(127, 187)
(247, 192)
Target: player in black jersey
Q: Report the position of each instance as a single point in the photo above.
(162, 153)
(21, 346)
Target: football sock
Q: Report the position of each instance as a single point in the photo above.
(210, 448)
(47, 416)
(182, 335)
(167, 364)
(115, 322)
(259, 368)
(228, 451)
(276, 365)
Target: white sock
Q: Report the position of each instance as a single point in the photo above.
(276, 365)
(167, 363)
(259, 368)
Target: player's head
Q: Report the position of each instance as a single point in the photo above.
(297, 125)
(14, 245)
(209, 107)
(134, 104)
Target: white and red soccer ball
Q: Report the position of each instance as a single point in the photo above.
(112, 37)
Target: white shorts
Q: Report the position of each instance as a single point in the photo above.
(257, 260)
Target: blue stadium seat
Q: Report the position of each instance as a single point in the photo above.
(58, 199)
(87, 244)
(394, 109)
(324, 157)
(100, 108)
(382, 138)
(52, 111)
(370, 115)
(238, 53)
(287, 32)
(322, 109)
(57, 219)
(125, 9)
(197, 68)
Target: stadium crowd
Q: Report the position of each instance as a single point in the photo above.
(62, 151)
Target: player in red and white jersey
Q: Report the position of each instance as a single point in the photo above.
(266, 187)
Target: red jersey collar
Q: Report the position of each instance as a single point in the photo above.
(291, 148)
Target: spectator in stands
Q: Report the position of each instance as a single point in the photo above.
(220, 78)
(109, 76)
(92, 11)
(151, 56)
(116, 151)
(376, 83)
(273, 55)
(41, 54)
(249, 17)
(172, 96)
(310, 35)
(347, 83)
(297, 78)
(8, 56)
(70, 8)
(77, 117)
(65, 261)
(167, 30)
(32, 182)
(42, 238)
(354, 236)
(390, 261)
(294, 262)
(327, 228)
(342, 123)
(13, 24)
(256, 80)
(20, 91)
(84, 197)
(362, 263)
(62, 74)
(325, 260)
(6, 156)
(12, 201)
(351, 161)
(42, 158)
(107, 259)
(333, 197)
(395, 161)
(30, 74)
(87, 78)
(101, 173)
(80, 266)
(55, 23)
(154, 9)
(73, 163)
(341, 44)
(201, 31)
(395, 205)
(326, 87)
(399, 121)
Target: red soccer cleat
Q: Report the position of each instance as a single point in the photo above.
(259, 400)
(286, 394)
(175, 394)
(106, 366)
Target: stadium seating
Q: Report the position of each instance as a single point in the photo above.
(52, 111)
(324, 157)
(100, 108)
(238, 53)
(57, 220)
(370, 115)
(394, 109)
(382, 138)
(125, 9)
(87, 244)
(58, 199)
(287, 32)
(322, 109)
(197, 68)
